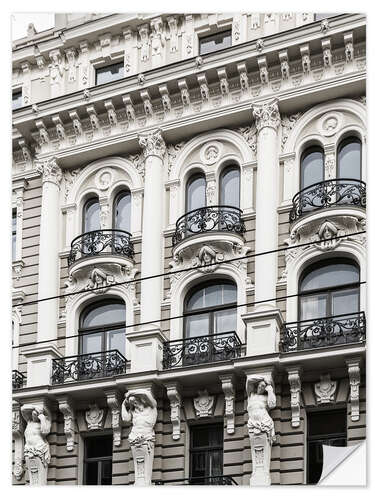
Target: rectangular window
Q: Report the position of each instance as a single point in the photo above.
(213, 43)
(17, 99)
(14, 234)
(206, 454)
(98, 460)
(109, 73)
(325, 427)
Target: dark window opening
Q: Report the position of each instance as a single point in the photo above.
(17, 100)
(326, 427)
(14, 234)
(206, 454)
(109, 73)
(213, 43)
(98, 460)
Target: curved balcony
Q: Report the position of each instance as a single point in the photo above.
(330, 193)
(215, 218)
(323, 332)
(102, 242)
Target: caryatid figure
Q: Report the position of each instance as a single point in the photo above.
(36, 450)
(261, 398)
(140, 408)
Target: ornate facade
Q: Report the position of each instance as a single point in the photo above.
(189, 248)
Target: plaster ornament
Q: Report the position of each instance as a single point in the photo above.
(18, 427)
(286, 16)
(244, 81)
(295, 395)
(76, 123)
(173, 35)
(261, 399)
(141, 78)
(50, 171)
(31, 31)
(94, 417)
(111, 113)
(114, 405)
(66, 408)
(349, 47)
(157, 37)
(255, 21)
(173, 151)
(250, 135)
(104, 179)
(325, 389)
(140, 409)
(71, 58)
(327, 231)
(152, 144)
(209, 258)
(69, 178)
(259, 45)
(43, 132)
(199, 62)
(236, 30)
(330, 123)
(175, 401)
(204, 404)
(56, 67)
(306, 63)
(145, 42)
(211, 152)
(266, 115)
(37, 450)
(288, 122)
(324, 26)
(229, 393)
(86, 94)
(354, 381)
(98, 280)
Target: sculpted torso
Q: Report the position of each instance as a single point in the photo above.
(33, 434)
(143, 422)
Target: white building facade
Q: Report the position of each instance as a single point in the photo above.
(189, 248)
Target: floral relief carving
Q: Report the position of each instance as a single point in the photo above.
(288, 122)
(104, 179)
(50, 170)
(152, 144)
(249, 133)
(295, 395)
(266, 115)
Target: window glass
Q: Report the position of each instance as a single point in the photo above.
(197, 325)
(100, 446)
(349, 159)
(215, 42)
(17, 100)
(91, 343)
(109, 73)
(122, 211)
(225, 321)
(230, 187)
(98, 460)
(319, 16)
(330, 274)
(196, 193)
(206, 453)
(312, 167)
(91, 216)
(104, 314)
(14, 233)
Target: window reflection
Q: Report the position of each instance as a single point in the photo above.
(349, 159)
(230, 187)
(312, 167)
(91, 215)
(109, 73)
(196, 192)
(122, 211)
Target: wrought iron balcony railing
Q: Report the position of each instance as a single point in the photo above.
(205, 219)
(323, 332)
(18, 379)
(102, 241)
(88, 366)
(330, 193)
(202, 480)
(204, 349)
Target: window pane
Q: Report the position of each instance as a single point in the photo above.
(213, 295)
(230, 187)
(106, 472)
(196, 193)
(99, 446)
(345, 301)
(116, 340)
(229, 293)
(91, 343)
(91, 473)
(325, 423)
(312, 168)
(215, 42)
(196, 300)
(122, 212)
(318, 17)
(197, 325)
(312, 307)
(215, 465)
(105, 314)
(109, 73)
(225, 321)
(17, 100)
(330, 274)
(349, 160)
(91, 218)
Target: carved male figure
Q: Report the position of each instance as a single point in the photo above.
(139, 408)
(36, 451)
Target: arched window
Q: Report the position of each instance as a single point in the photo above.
(312, 167)
(122, 211)
(230, 186)
(91, 215)
(330, 287)
(102, 327)
(349, 159)
(203, 300)
(196, 192)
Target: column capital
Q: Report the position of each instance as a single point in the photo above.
(152, 143)
(50, 170)
(266, 114)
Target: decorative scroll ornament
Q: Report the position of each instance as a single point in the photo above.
(140, 408)
(175, 401)
(287, 123)
(261, 399)
(295, 394)
(266, 115)
(173, 151)
(37, 450)
(249, 133)
(325, 390)
(94, 417)
(354, 381)
(152, 144)
(229, 393)
(50, 171)
(69, 177)
(114, 405)
(204, 404)
(66, 408)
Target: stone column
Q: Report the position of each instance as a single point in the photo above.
(146, 345)
(263, 324)
(39, 356)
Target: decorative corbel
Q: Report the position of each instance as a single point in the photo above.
(71, 55)
(60, 130)
(185, 96)
(175, 400)
(147, 105)
(165, 98)
(113, 401)
(93, 116)
(173, 33)
(129, 108)
(77, 125)
(263, 70)
(294, 378)
(26, 153)
(284, 64)
(203, 85)
(244, 79)
(43, 132)
(305, 58)
(224, 84)
(327, 53)
(349, 47)
(66, 408)
(229, 395)
(111, 112)
(354, 372)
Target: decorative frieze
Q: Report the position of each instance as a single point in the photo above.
(325, 390)
(354, 373)
(111, 113)
(204, 404)
(175, 400)
(287, 123)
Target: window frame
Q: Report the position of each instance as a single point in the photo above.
(17, 92)
(344, 142)
(205, 449)
(90, 201)
(212, 36)
(119, 195)
(107, 66)
(100, 460)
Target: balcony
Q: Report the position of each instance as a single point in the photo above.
(327, 194)
(103, 242)
(204, 480)
(18, 379)
(323, 332)
(88, 367)
(209, 219)
(199, 350)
